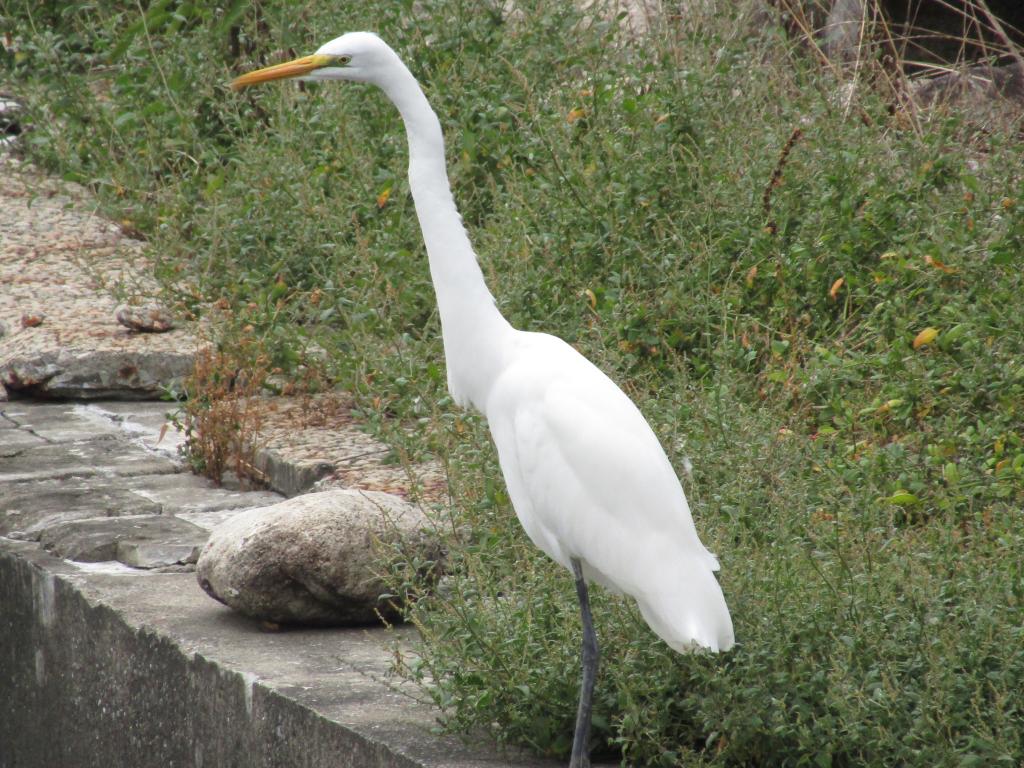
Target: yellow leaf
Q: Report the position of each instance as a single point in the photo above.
(382, 198)
(751, 274)
(833, 292)
(591, 298)
(927, 336)
(575, 114)
(933, 262)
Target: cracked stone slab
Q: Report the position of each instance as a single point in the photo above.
(27, 509)
(105, 456)
(212, 519)
(55, 422)
(145, 424)
(60, 266)
(13, 440)
(95, 440)
(151, 541)
(136, 416)
(186, 494)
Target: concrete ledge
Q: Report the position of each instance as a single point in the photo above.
(290, 477)
(100, 668)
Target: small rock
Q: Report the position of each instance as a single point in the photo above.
(148, 319)
(313, 559)
(31, 321)
(10, 121)
(10, 107)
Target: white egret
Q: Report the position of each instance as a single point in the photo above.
(589, 481)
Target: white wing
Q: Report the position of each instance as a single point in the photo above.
(589, 480)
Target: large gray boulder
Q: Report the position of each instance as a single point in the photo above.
(313, 559)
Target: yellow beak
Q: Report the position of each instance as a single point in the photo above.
(295, 68)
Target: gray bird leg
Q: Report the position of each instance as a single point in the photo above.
(581, 737)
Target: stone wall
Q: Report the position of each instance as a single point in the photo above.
(84, 688)
(99, 669)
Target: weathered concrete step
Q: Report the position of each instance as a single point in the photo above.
(139, 541)
(27, 508)
(62, 422)
(58, 441)
(101, 668)
(103, 482)
(106, 457)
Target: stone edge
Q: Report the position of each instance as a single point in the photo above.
(88, 684)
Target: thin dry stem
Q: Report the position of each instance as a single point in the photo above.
(776, 178)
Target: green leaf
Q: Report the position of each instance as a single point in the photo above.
(950, 473)
(903, 498)
(950, 337)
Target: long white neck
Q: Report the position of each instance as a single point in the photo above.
(475, 334)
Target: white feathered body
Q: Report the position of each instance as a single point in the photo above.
(589, 480)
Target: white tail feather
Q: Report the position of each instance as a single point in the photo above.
(688, 609)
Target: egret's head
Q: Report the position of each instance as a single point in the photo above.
(359, 56)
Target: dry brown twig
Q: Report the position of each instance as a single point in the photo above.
(776, 178)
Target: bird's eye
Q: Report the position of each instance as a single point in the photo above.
(343, 59)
